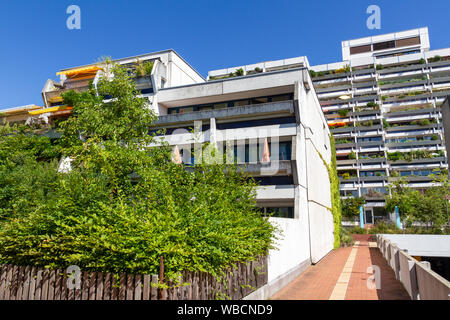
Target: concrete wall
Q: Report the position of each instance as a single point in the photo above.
(419, 280)
(180, 72)
(318, 150)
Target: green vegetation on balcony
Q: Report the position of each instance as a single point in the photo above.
(436, 58)
(368, 123)
(394, 96)
(352, 156)
(238, 73)
(421, 122)
(347, 175)
(415, 79)
(369, 106)
(315, 74)
(414, 155)
(343, 112)
(143, 69)
(411, 107)
(343, 141)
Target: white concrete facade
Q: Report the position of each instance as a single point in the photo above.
(308, 236)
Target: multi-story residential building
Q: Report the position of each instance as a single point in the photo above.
(265, 117)
(17, 114)
(382, 104)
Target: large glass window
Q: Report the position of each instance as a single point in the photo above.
(383, 45)
(279, 212)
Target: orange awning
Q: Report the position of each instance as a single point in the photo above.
(332, 124)
(79, 70)
(51, 109)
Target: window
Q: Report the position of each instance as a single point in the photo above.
(383, 45)
(260, 100)
(360, 49)
(407, 42)
(279, 212)
(222, 105)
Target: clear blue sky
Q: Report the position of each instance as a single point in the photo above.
(209, 34)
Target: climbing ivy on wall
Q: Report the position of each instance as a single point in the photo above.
(335, 195)
(336, 209)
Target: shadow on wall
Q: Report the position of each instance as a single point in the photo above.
(391, 288)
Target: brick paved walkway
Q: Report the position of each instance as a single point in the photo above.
(343, 274)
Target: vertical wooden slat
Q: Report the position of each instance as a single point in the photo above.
(51, 285)
(26, 283)
(12, 283)
(169, 290)
(130, 287)
(92, 285)
(64, 289)
(70, 285)
(154, 288)
(99, 289)
(114, 287)
(230, 284)
(58, 284)
(78, 291)
(200, 285)
(85, 285)
(195, 286)
(107, 286)
(123, 286)
(20, 282)
(9, 270)
(214, 287)
(3, 271)
(33, 276)
(45, 281)
(37, 292)
(188, 279)
(266, 273)
(138, 287)
(146, 287)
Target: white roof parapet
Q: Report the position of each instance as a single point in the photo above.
(419, 32)
(297, 61)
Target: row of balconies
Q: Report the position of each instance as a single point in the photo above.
(371, 72)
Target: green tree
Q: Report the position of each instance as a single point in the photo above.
(350, 206)
(125, 203)
(428, 208)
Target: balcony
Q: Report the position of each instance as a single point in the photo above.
(370, 143)
(273, 168)
(415, 144)
(282, 107)
(373, 178)
(76, 85)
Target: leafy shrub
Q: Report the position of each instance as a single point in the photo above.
(357, 230)
(343, 112)
(124, 203)
(384, 228)
(346, 238)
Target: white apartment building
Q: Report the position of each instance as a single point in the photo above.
(267, 115)
(382, 103)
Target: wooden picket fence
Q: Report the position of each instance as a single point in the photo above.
(37, 283)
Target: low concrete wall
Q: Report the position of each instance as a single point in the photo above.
(419, 280)
(271, 288)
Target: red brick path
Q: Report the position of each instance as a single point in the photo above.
(318, 281)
